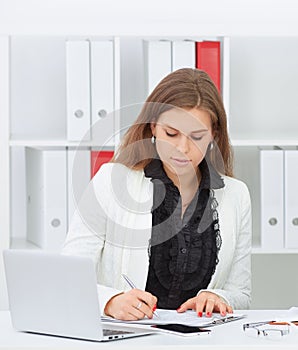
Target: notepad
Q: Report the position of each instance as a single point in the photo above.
(188, 317)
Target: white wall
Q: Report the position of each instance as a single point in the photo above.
(154, 17)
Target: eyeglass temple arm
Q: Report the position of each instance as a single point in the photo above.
(256, 324)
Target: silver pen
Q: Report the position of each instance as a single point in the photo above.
(132, 285)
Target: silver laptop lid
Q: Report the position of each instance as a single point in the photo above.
(44, 290)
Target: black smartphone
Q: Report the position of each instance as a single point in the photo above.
(181, 329)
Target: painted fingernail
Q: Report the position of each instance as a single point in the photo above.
(179, 308)
(208, 314)
(154, 308)
(200, 314)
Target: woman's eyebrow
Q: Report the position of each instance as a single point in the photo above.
(199, 131)
(192, 132)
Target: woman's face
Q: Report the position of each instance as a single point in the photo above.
(182, 138)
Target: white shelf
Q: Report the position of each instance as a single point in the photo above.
(22, 243)
(264, 142)
(40, 143)
(28, 142)
(259, 251)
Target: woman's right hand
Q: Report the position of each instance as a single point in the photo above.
(132, 305)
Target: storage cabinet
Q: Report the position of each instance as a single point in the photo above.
(263, 115)
(75, 93)
(259, 86)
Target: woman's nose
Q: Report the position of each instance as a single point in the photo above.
(183, 144)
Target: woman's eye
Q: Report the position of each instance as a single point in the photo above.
(170, 134)
(197, 138)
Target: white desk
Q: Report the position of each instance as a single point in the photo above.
(227, 336)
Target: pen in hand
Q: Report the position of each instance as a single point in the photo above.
(132, 285)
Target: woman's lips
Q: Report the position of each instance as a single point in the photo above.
(180, 162)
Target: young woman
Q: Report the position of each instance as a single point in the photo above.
(167, 211)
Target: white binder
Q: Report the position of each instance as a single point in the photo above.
(78, 90)
(102, 88)
(158, 62)
(272, 199)
(78, 175)
(291, 199)
(226, 76)
(183, 54)
(46, 195)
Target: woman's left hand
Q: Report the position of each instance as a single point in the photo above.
(208, 302)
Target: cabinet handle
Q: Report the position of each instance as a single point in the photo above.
(295, 221)
(79, 113)
(273, 221)
(102, 113)
(55, 222)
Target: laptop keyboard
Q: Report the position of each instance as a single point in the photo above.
(107, 332)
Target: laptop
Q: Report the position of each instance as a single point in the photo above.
(57, 295)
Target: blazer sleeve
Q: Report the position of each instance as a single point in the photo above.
(86, 234)
(236, 290)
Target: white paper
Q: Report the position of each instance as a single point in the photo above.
(288, 315)
(189, 318)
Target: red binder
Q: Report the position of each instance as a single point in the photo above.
(208, 59)
(98, 158)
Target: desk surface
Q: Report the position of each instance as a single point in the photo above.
(226, 336)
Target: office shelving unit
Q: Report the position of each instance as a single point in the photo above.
(260, 85)
(263, 114)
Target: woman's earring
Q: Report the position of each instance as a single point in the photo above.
(153, 139)
(211, 146)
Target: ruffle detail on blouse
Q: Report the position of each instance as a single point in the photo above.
(199, 263)
(183, 254)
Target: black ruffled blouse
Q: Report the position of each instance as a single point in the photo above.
(183, 253)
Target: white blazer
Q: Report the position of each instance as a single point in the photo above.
(113, 222)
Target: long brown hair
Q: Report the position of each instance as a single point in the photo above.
(184, 88)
